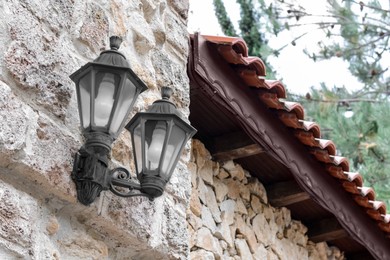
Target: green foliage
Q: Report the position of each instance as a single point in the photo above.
(250, 28)
(364, 31)
(223, 19)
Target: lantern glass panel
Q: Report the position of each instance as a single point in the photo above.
(125, 103)
(174, 145)
(137, 142)
(155, 132)
(104, 97)
(85, 99)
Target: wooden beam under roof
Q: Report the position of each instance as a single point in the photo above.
(233, 146)
(326, 230)
(285, 193)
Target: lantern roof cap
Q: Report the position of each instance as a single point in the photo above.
(113, 57)
(164, 105)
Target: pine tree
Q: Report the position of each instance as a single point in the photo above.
(223, 19)
(360, 33)
(251, 30)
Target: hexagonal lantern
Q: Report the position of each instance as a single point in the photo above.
(106, 91)
(159, 136)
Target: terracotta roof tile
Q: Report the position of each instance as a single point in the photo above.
(276, 86)
(351, 187)
(296, 108)
(306, 137)
(367, 192)
(271, 93)
(312, 127)
(335, 171)
(328, 145)
(355, 177)
(270, 99)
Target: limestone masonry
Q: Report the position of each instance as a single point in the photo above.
(41, 44)
(230, 218)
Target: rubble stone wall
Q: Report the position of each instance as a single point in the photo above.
(230, 217)
(41, 43)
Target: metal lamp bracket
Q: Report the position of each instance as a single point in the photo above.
(120, 179)
(91, 175)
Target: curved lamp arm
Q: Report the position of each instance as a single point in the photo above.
(120, 177)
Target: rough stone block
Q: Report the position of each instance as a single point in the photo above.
(195, 205)
(243, 249)
(192, 168)
(222, 174)
(167, 69)
(256, 205)
(35, 148)
(37, 66)
(194, 221)
(52, 226)
(228, 207)
(207, 219)
(179, 185)
(221, 190)
(257, 188)
(181, 7)
(206, 241)
(233, 187)
(206, 173)
(177, 36)
(18, 217)
(260, 252)
(199, 153)
(15, 117)
(240, 207)
(212, 204)
(223, 232)
(247, 232)
(201, 254)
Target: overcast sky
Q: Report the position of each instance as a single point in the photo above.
(293, 67)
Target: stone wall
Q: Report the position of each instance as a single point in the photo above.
(230, 218)
(41, 43)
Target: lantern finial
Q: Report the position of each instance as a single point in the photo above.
(166, 93)
(115, 42)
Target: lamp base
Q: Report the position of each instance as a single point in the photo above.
(152, 185)
(90, 175)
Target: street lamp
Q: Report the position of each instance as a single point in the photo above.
(106, 91)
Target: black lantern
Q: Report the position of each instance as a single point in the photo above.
(106, 91)
(159, 136)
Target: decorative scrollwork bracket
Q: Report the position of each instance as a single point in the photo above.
(92, 176)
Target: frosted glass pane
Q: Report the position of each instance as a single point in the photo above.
(156, 145)
(85, 100)
(178, 136)
(104, 99)
(138, 147)
(125, 103)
